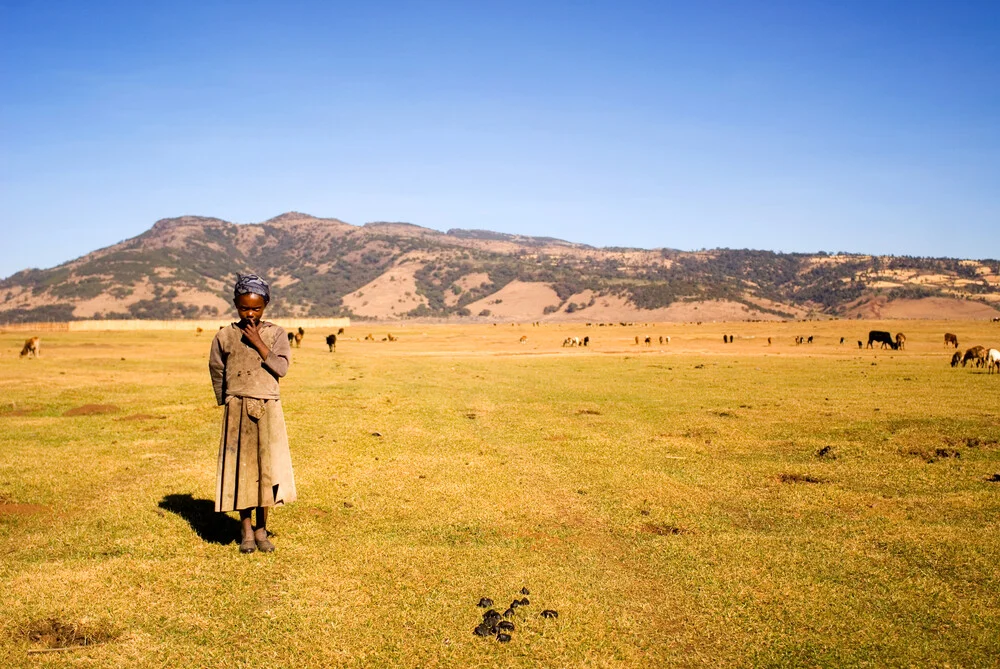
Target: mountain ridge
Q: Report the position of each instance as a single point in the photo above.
(182, 267)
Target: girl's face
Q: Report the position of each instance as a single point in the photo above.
(250, 307)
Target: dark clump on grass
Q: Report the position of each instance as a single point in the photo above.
(994, 479)
(931, 456)
(92, 410)
(664, 529)
(799, 478)
(589, 412)
(54, 634)
(826, 453)
(975, 442)
(215, 528)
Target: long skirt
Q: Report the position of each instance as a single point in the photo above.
(255, 464)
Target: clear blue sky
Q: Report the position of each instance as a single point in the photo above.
(868, 126)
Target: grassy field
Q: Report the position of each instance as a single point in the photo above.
(687, 504)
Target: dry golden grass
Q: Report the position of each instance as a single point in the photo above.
(686, 504)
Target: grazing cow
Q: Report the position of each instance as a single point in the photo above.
(392, 337)
(299, 334)
(198, 330)
(291, 337)
(340, 331)
(586, 341)
(369, 337)
(32, 348)
(860, 344)
(661, 340)
(523, 339)
(725, 339)
(885, 338)
(977, 354)
(571, 341)
(956, 358)
(993, 360)
(331, 341)
(900, 340)
(950, 338)
(649, 341)
(841, 340)
(810, 340)
(996, 319)
(768, 341)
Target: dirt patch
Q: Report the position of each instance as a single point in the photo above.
(664, 529)
(92, 410)
(14, 509)
(54, 634)
(141, 416)
(799, 478)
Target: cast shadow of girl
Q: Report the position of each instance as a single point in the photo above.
(212, 527)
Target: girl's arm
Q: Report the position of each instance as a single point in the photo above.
(217, 369)
(278, 356)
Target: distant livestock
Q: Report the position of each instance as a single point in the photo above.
(993, 360)
(586, 341)
(883, 337)
(32, 348)
(296, 337)
(331, 341)
(523, 339)
(956, 358)
(900, 340)
(950, 338)
(976, 354)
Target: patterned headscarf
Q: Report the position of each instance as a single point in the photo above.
(251, 283)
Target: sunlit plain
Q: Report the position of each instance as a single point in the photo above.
(685, 503)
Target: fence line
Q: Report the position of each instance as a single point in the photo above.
(204, 324)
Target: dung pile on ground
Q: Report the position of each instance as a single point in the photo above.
(500, 625)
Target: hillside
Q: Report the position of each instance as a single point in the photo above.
(184, 267)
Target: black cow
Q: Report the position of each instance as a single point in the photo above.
(881, 336)
(331, 341)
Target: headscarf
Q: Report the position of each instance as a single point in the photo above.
(251, 283)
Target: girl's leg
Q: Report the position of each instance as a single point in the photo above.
(247, 545)
(260, 535)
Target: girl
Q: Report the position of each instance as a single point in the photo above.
(255, 466)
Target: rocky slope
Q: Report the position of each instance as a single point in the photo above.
(184, 268)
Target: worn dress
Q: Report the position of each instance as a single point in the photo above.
(255, 465)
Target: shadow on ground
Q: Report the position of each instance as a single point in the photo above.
(213, 527)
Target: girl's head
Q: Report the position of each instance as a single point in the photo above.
(250, 295)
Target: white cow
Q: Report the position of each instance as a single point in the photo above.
(993, 360)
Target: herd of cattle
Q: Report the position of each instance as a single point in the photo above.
(980, 356)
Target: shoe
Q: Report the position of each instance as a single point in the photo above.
(265, 545)
(249, 545)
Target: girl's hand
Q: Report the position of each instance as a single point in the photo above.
(253, 337)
